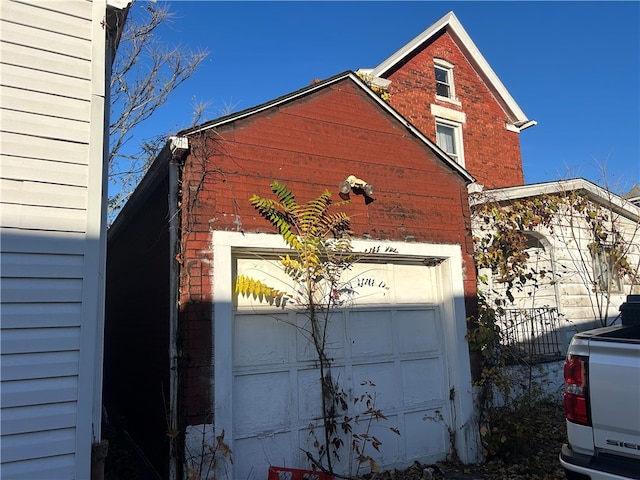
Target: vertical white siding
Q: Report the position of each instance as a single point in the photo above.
(52, 68)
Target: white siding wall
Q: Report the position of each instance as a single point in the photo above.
(578, 303)
(52, 86)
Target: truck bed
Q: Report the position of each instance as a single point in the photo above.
(614, 376)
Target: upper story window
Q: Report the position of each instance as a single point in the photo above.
(445, 89)
(449, 139)
(443, 85)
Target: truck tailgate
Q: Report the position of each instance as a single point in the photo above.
(614, 377)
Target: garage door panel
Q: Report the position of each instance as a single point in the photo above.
(259, 454)
(268, 271)
(385, 381)
(391, 448)
(417, 331)
(260, 340)
(424, 436)
(309, 398)
(391, 442)
(261, 401)
(306, 351)
(422, 381)
(371, 333)
(370, 284)
(415, 285)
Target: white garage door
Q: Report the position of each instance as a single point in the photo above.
(391, 334)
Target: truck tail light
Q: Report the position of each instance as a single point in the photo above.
(576, 397)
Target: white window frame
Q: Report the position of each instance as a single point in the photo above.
(457, 138)
(448, 67)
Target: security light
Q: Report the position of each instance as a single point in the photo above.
(353, 182)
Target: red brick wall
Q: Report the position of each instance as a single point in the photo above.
(310, 145)
(492, 153)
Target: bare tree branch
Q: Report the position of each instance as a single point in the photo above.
(145, 73)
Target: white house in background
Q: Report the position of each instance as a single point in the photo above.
(55, 59)
(633, 195)
(564, 250)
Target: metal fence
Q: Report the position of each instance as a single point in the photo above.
(532, 334)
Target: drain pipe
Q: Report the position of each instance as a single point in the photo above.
(178, 147)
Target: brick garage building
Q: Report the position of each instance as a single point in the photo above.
(183, 355)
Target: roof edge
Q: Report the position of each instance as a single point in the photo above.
(177, 146)
(317, 86)
(451, 23)
(593, 191)
(412, 45)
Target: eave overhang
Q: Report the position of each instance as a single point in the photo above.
(116, 16)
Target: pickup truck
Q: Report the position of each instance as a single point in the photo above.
(602, 401)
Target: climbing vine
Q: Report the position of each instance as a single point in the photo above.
(383, 93)
(606, 239)
(500, 244)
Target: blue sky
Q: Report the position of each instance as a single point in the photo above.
(571, 66)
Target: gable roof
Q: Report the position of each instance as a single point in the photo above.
(594, 192)
(177, 146)
(348, 75)
(453, 27)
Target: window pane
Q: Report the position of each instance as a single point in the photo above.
(442, 90)
(443, 85)
(442, 75)
(446, 139)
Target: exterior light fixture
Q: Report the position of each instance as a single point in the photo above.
(355, 183)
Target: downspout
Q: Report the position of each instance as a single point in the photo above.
(178, 147)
